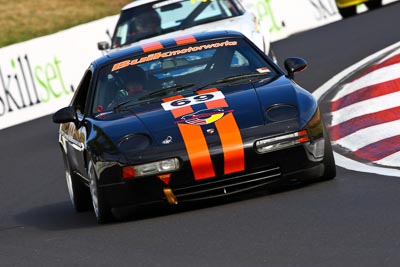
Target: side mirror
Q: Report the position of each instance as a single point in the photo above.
(293, 65)
(103, 46)
(66, 114)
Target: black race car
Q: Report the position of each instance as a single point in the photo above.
(188, 118)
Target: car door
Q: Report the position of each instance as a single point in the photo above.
(76, 130)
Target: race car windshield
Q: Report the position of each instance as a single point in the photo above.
(179, 70)
(162, 17)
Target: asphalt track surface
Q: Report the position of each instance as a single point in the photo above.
(353, 220)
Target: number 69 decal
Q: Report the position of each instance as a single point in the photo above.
(192, 100)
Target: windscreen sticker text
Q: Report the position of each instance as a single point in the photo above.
(158, 55)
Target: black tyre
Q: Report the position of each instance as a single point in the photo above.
(78, 192)
(100, 206)
(348, 11)
(329, 159)
(374, 4)
(329, 162)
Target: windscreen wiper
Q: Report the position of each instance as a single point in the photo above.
(166, 91)
(236, 77)
(144, 99)
(123, 103)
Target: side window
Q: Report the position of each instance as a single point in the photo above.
(239, 60)
(79, 100)
(212, 10)
(121, 34)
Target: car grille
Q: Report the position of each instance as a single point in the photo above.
(228, 185)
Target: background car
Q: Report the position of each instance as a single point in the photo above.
(155, 19)
(189, 118)
(348, 8)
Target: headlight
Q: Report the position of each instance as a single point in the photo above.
(134, 142)
(281, 142)
(281, 112)
(163, 166)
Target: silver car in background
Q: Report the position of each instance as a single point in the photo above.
(154, 20)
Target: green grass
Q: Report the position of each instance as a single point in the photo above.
(22, 20)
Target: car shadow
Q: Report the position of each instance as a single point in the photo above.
(57, 216)
(145, 212)
(62, 216)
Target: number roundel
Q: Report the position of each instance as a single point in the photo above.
(180, 102)
(192, 100)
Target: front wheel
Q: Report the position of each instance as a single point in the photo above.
(329, 162)
(100, 206)
(329, 159)
(78, 191)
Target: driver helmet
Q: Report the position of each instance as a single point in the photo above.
(133, 78)
(148, 21)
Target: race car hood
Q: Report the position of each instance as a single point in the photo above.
(160, 124)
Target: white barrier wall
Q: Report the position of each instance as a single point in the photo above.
(38, 77)
(286, 17)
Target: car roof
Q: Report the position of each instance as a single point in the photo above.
(138, 3)
(136, 50)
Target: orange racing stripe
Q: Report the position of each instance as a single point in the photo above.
(197, 149)
(195, 143)
(152, 46)
(229, 134)
(232, 144)
(185, 40)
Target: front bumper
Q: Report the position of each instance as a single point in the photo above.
(284, 166)
(300, 162)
